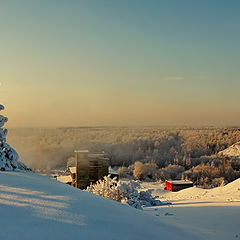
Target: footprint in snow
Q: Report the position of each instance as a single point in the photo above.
(168, 214)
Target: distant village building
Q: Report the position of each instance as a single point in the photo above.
(70, 178)
(177, 185)
(89, 168)
(73, 172)
(65, 179)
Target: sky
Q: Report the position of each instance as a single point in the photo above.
(120, 63)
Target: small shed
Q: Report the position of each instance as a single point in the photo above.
(113, 174)
(70, 178)
(65, 179)
(72, 171)
(177, 185)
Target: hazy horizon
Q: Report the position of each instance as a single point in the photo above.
(167, 127)
(120, 63)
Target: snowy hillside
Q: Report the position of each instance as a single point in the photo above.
(213, 214)
(229, 194)
(232, 151)
(36, 207)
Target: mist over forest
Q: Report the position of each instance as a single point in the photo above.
(52, 148)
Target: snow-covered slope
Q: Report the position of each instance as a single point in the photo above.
(36, 207)
(232, 151)
(229, 194)
(213, 214)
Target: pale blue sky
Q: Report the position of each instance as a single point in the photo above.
(126, 62)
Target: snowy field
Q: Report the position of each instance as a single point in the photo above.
(211, 214)
(36, 207)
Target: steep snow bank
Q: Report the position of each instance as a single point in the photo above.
(36, 207)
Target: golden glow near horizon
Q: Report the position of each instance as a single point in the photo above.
(84, 64)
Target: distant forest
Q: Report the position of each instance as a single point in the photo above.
(141, 152)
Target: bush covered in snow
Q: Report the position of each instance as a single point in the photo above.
(123, 192)
(123, 172)
(106, 187)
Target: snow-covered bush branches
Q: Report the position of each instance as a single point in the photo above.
(128, 193)
(106, 187)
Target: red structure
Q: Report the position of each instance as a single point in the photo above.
(177, 185)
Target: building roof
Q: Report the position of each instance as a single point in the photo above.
(65, 179)
(92, 154)
(81, 151)
(180, 182)
(72, 169)
(111, 171)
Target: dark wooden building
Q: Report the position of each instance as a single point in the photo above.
(90, 167)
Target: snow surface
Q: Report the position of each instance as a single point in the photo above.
(232, 151)
(37, 207)
(225, 195)
(213, 214)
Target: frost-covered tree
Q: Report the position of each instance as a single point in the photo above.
(170, 172)
(138, 171)
(123, 172)
(8, 156)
